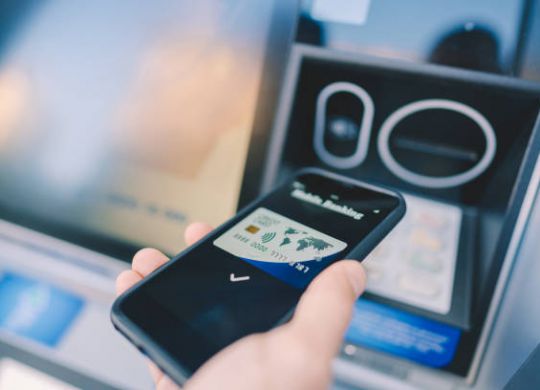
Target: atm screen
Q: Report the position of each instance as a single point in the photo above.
(128, 122)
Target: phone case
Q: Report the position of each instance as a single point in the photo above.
(171, 366)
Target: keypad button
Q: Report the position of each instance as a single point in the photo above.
(419, 285)
(374, 273)
(426, 262)
(431, 220)
(423, 238)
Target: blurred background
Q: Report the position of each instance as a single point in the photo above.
(122, 122)
(99, 129)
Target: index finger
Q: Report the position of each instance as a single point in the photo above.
(147, 260)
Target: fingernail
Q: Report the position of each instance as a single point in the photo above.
(356, 275)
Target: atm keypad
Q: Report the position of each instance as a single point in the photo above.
(415, 264)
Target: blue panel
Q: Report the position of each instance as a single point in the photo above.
(36, 310)
(402, 334)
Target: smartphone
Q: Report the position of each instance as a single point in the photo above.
(248, 275)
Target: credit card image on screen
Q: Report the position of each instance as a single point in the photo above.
(248, 274)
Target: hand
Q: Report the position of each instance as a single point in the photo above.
(296, 355)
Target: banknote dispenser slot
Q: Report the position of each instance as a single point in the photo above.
(460, 145)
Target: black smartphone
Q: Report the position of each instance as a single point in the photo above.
(248, 274)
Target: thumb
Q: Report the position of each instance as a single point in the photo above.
(324, 311)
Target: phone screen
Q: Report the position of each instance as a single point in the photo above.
(248, 274)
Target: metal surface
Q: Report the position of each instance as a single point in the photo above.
(516, 329)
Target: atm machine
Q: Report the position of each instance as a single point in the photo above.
(441, 105)
(456, 281)
(448, 140)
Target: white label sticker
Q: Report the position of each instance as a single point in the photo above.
(341, 11)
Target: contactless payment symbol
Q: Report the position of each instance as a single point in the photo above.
(267, 237)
